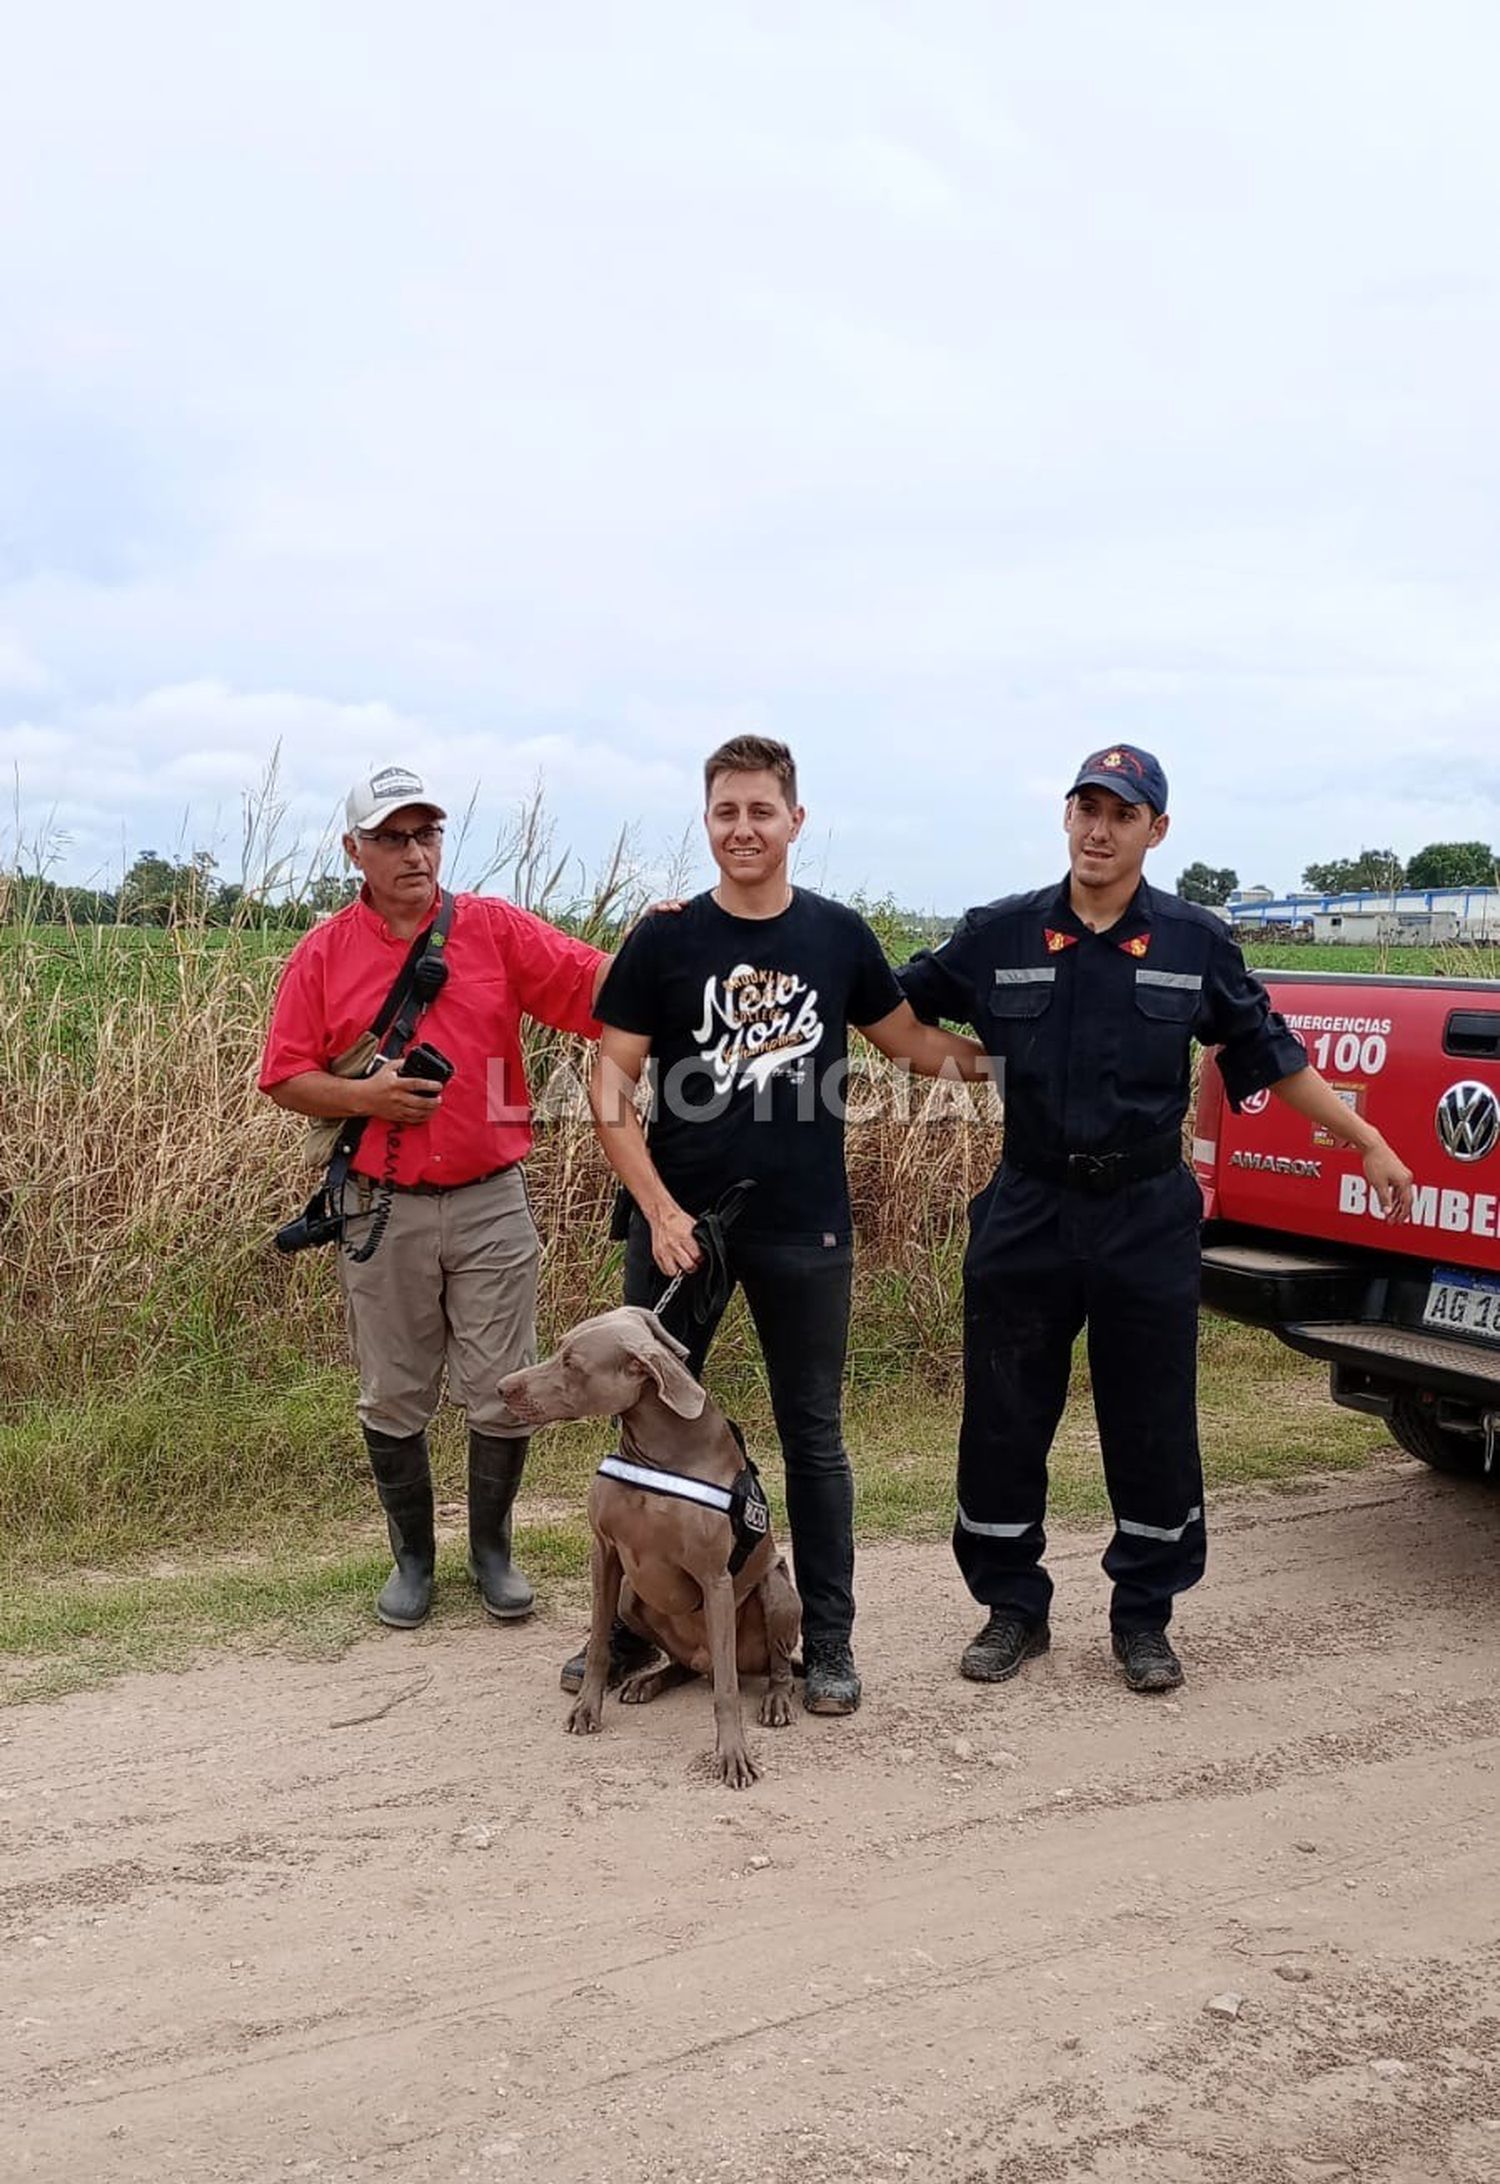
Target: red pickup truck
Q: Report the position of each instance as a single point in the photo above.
(1407, 1317)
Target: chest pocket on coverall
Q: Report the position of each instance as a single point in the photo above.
(1017, 1009)
(1167, 1004)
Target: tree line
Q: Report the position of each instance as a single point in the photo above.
(1440, 864)
(157, 891)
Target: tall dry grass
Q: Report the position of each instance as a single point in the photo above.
(161, 1362)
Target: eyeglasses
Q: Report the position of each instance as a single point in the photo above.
(396, 838)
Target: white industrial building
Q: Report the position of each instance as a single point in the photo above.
(1403, 915)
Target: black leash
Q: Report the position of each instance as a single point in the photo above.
(711, 1275)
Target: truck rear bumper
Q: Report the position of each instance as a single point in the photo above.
(1353, 1312)
(1371, 1362)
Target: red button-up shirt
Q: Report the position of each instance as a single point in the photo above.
(503, 963)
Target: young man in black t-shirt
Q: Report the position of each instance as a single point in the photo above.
(741, 1001)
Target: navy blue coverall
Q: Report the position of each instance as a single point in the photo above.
(1092, 1218)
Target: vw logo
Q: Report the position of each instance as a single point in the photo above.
(1468, 1120)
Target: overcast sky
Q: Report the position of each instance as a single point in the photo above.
(946, 388)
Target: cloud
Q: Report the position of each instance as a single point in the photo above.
(19, 672)
(560, 398)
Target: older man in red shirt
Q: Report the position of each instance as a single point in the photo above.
(452, 1279)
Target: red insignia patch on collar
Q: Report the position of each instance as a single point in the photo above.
(1136, 947)
(1056, 942)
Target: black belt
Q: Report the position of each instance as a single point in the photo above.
(1100, 1173)
(438, 1190)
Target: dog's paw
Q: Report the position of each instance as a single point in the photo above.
(649, 1683)
(585, 1719)
(776, 1709)
(735, 1768)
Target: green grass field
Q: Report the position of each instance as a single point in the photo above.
(1450, 962)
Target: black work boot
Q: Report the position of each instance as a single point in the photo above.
(627, 1653)
(1147, 1659)
(495, 1467)
(831, 1684)
(1002, 1648)
(403, 1480)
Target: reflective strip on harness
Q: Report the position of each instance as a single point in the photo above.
(991, 1531)
(744, 1503)
(1160, 1531)
(675, 1483)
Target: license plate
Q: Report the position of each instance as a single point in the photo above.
(1460, 1303)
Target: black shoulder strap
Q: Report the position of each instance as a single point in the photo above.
(423, 976)
(435, 934)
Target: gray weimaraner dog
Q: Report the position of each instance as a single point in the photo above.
(682, 1551)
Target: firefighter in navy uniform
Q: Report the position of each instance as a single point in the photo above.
(1088, 997)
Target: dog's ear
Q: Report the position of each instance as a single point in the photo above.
(678, 1349)
(662, 1356)
(674, 1383)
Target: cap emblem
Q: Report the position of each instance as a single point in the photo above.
(393, 781)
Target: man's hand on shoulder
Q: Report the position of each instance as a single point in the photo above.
(668, 904)
(665, 907)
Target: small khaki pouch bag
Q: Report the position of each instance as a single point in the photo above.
(322, 1133)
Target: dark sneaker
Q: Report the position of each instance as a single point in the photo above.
(996, 1653)
(1147, 1659)
(627, 1653)
(831, 1683)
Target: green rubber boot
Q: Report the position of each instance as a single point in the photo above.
(495, 1468)
(403, 1480)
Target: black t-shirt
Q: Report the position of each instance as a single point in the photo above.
(748, 1021)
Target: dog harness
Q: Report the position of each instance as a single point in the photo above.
(744, 1503)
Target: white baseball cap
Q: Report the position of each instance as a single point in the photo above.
(371, 801)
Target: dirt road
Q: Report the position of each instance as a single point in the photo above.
(382, 1920)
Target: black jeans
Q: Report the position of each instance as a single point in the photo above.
(798, 1296)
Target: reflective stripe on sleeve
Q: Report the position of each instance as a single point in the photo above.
(1160, 1531)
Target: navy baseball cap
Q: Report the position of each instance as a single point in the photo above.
(1133, 774)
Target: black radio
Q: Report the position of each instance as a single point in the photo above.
(426, 1062)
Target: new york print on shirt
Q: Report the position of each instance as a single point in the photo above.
(757, 1023)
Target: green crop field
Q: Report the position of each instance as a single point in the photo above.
(1447, 962)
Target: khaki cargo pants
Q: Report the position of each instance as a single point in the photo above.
(452, 1282)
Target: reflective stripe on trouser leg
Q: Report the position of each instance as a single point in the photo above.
(1143, 1354)
(1019, 1329)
